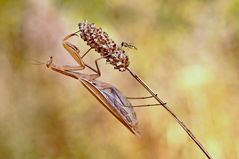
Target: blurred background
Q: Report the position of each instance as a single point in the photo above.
(187, 52)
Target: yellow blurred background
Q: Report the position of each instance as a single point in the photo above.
(188, 52)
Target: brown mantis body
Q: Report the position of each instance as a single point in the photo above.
(109, 96)
(115, 55)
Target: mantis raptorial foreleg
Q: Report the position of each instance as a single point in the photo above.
(75, 53)
(69, 71)
(61, 70)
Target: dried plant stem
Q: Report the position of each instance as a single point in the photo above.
(174, 115)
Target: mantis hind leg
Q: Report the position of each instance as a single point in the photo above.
(146, 97)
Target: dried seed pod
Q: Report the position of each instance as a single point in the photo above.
(100, 41)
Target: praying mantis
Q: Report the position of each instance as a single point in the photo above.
(110, 97)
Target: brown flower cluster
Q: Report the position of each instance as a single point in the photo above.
(100, 41)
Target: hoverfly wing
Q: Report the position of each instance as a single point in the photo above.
(113, 100)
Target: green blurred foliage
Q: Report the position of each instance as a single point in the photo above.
(187, 52)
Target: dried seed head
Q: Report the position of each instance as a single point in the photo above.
(100, 41)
